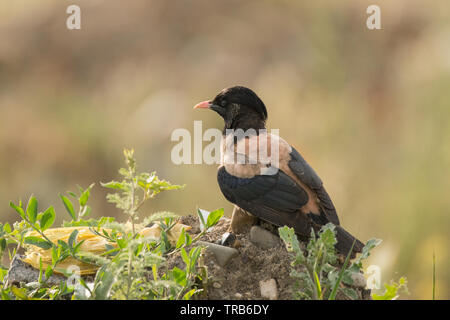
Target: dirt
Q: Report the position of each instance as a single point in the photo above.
(239, 279)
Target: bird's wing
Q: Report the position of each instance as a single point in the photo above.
(274, 198)
(309, 177)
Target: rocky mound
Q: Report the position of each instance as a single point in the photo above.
(250, 265)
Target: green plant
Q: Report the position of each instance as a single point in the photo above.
(315, 270)
(392, 290)
(131, 265)
(434, 276)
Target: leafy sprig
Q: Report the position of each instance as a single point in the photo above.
(315, 270)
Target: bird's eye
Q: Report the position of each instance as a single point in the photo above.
(223, 103)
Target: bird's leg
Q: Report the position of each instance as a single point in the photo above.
(241, 220)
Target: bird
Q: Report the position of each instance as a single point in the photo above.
(265, 176)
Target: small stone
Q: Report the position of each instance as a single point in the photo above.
(217, 285)
(263, 238)
(269, 289)
(366, 294)
(222, 254)
(228, 239)
(238, 295)
(359, 281)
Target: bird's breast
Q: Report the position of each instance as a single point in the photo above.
(263, 154)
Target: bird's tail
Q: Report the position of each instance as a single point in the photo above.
(345, 241)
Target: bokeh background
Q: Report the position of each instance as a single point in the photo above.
(369, 110)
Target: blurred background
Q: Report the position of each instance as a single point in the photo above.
(369, 110)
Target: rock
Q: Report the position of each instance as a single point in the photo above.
(342, 296)
(269, 289)
(359, 281)
(263, 238)
(241, 220)
(238, 295)
(222, 254)
(228, 239)
(366, 294)
(23, 272)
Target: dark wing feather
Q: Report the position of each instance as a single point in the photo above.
(309, 177)
(275, 198)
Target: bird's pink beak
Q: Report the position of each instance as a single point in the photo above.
(203, 105)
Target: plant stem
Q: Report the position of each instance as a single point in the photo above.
(434, 275)
(341, 274)
(129, 275)
(132, 212)
(40, 232)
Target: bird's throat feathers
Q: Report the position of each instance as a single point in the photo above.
(245, 123)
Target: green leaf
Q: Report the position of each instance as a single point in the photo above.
(7, 227)
(113, 185)
(69, 206)
(40, 270)
(122, 243)
(189, 294)
(181, 239)
(105, 280)
(291, 242)
(392, 290)
(351, 293)
(18, 209)
(214, 217)
(73, 195)
(201, 216)
(88, 223)
(2, 245)
(19, 293)
(193, 257)
(165, 241)
(159, 216)
(318, 287)
(341, 273)
(32, 210)
(73, 238)
(125, 173)
(179, 276)
(184, 256)
(327, 235)
(347, 277)
(371, 244)
(47, 219)
(77, 248)
(48, 272)
(85, 195)
(188, 239)
(36, 241)
(54, 255)
(62, 245)
(84, 198)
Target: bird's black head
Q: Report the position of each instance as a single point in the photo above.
(240, 108)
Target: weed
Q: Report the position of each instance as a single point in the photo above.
(129, 264)
(315, 270)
